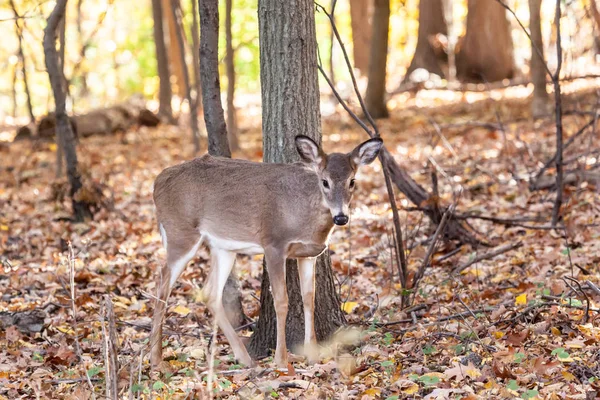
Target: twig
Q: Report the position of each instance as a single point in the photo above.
(487, 256)
(431, 248)
(111, 362)
(71, 261)
(587, 299)
(581, 130)
(593, 287)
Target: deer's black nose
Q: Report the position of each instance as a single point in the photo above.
(340, 219)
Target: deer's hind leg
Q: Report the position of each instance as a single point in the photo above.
(221, 265)
(181, 245)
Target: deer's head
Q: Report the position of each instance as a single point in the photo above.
(336, 172)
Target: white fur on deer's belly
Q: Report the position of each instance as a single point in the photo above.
(232, 245)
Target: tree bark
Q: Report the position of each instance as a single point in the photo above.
(290, 100)
(230, 68)
(486, 51)
(81, 209)
(361, 13)
(209, 74)
(196, 56)
(21, 56)
(218, 144)
(176, 10)
(176, 66)
(431, 23)
(375, 98)
(164, 92)
(539, 103)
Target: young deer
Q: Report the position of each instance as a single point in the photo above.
(234, 206)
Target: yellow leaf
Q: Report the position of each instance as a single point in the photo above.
(412, 389)
(181, 310)
(349, 306)
(373, 391)
(498, 335)
(521, 300)
(3, 227)
(52, 146)
(555, 331)
(569, 376)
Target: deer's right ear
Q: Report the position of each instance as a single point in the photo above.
(309, 151)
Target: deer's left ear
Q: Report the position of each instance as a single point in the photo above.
(309, 150)
(366, 152)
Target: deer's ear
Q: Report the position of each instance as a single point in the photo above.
(309, 151)
(366, 152)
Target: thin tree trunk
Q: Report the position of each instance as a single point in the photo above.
(331, 45)
(196, 55)
(21, 56)
(15, 105)
(230, 68)
(176, 10)
(539, 104)
(290, 100)
(218, 144)
(486, 51)
(209, 74)
(375, 98)
(558, 116)
(82, 48)
(361, 13)
(431, 23)
(64, 133)
(164, 92)
(177, 68)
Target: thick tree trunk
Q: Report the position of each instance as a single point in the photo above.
(290, 100)
(431, 23)
(162, 60)
(81, 209)
(209, 74)
(486, 51)
(361, 13)
(539, 103)
(218, 144)
(375, 98)
(230, 68)
(21, 56)
(176, 10)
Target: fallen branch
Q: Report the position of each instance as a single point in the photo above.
(110, 345)
(486, 256)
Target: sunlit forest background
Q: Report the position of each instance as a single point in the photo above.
(110, 54)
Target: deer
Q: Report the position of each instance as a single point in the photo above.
(242, 207)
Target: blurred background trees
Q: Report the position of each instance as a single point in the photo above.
(114, 49)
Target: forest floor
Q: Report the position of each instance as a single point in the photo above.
(523, 324)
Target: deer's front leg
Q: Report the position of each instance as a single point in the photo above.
(306, 270)
(275, 260)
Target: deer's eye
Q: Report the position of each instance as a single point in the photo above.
(352, 183)
(325, 183)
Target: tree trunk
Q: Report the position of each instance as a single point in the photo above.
(375, 97)
(486, 51)
(162, 61)
(539, 104)
(230, 68)
(21, 56)
(196, 55)
(290, 101)
(176, 10)
(218, 144)
(431, 23)
(209, 74)
(81, 209)
(177, 67)
(361, 12)
(82, 48)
